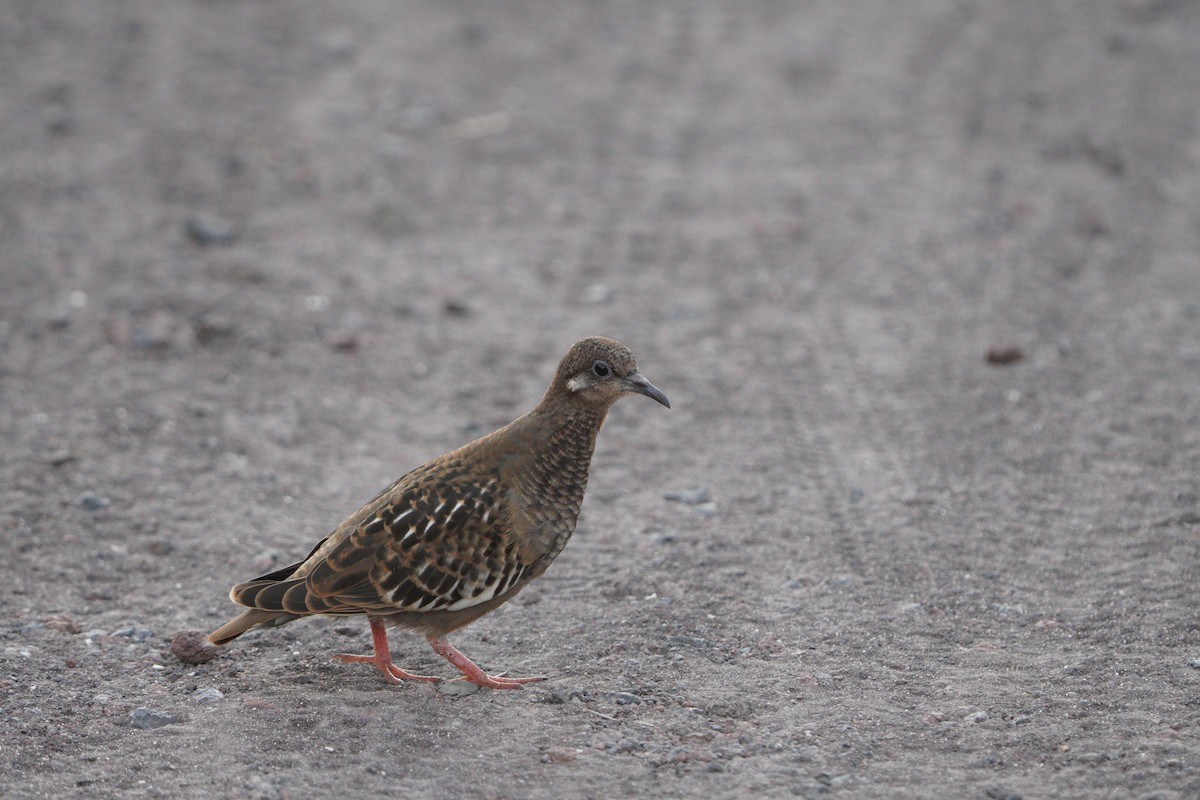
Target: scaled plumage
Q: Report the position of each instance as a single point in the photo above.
(464, 533)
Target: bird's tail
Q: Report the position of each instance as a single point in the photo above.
(272, 602)
(244, 622)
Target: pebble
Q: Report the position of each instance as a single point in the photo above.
(212, 326)
(344, 339)
(209, 229)
(146, 718)
(156, 332)
(207, 695)
(1002, 793)
(976, 718)
(90, 501)
(692, 496)
(1194, 663)
(1003, 355)
(192, 647)
(133, 632)
(64, 624)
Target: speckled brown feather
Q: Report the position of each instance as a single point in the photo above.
(461, 535)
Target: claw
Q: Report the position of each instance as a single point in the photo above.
(382, 658)
(472, 672)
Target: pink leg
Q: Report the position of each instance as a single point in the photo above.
(471, 672)
(382, 658)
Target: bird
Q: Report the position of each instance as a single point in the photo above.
(462, 534)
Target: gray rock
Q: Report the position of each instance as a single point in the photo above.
(207, 695)
(1002, 793)
(692, 496)
(134, 632)
(147, 719)
(90, 501)
(209, 229)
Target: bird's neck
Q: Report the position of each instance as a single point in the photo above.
(560, 440)
(563, 432)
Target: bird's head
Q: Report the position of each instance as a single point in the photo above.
(598, 371)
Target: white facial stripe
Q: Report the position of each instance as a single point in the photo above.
(578, 382)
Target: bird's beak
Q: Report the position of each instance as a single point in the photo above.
(638, 383)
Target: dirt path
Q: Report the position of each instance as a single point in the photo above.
(258, 259)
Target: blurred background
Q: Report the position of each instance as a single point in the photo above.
(922, 281)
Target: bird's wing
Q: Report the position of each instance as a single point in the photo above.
(430, 545)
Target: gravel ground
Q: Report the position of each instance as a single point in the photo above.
(921, 279)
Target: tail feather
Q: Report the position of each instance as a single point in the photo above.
(271, 600)
(244, 622)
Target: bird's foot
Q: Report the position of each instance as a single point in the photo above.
(382, 658)
(499, 681)
(471, 671)
(390, 671)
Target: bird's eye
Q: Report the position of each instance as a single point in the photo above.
(601, 369)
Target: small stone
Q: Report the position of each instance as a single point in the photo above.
(146, 719)
(1001, 793)
(211, 327)
(976, 718)
(157, 332)
(559, 755)
(209, 229)
(192, 647)
(207, 695)
(60, 457)
(456, 308)
(64, 624)
(823, 678)
(457, 688)
(692, 496)
(344, 339)
(347, 630)
(133, 632)
(160, 547)
(1194, 663)
(1004, 355)
(626, 699)
(90, 501)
